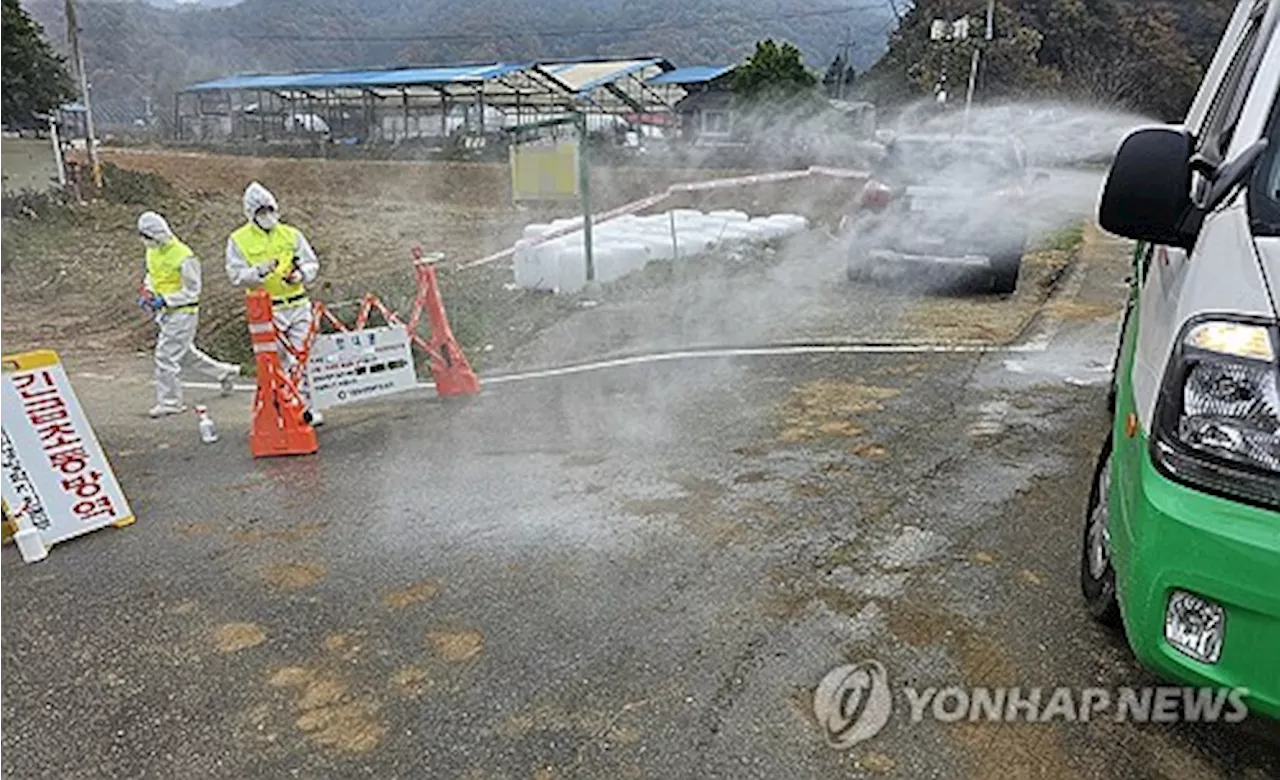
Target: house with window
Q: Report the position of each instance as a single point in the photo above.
(706, 112)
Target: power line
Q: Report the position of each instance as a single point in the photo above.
(563, 32)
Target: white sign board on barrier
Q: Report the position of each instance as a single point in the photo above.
(53, 468)
(358, 365)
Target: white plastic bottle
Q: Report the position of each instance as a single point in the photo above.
(208, 433)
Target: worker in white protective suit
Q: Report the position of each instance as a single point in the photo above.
(171, 292)
(267, 253)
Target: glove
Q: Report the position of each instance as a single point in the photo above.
(151, 303)
(265, 269)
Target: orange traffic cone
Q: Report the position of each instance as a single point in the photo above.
(449, 367)
(278, 426)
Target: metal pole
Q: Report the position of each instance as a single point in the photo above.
(177, 116)
(57, 149)
(973, 79)
(584, 188)
(973, 63)
(91, 140)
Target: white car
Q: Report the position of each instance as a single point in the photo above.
(952, 200)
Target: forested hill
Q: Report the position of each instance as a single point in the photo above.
(134, 49)
(1147, 56)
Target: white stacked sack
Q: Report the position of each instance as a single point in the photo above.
(629, 242)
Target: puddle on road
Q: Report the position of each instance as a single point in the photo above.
(828, 407)
(328, 713)
(456, 646)
(411, 681)
(416, 593)
(293, 576)
(234, 637)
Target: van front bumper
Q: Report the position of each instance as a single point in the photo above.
(1173, 539)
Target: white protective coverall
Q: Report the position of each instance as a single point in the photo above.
(175, 344)
(292, 319)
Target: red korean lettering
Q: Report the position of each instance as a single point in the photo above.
(44, 404)
(29, 387)
(85, 485)
(58, 434)
(71, 461)
(88, 509)
(49, 431)
(41, 418)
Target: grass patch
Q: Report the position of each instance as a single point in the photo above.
(1061, 239)
(135, 188)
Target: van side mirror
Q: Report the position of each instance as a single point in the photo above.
(1147, 196)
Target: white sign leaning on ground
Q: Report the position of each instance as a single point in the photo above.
(55, 475)
(361, 364)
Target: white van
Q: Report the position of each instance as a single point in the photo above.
(1182, 535)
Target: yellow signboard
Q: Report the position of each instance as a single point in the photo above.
(544, 171)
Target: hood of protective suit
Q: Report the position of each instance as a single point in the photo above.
(153, 228)
(255, 197)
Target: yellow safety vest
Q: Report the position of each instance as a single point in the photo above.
(164, 266)
(259, 246)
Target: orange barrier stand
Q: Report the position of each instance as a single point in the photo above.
(278, 426)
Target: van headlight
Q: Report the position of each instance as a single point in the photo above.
(1218, 417)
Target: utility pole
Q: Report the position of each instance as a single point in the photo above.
(845, 47)
(584, 189)
(77, 59)
(973, 62)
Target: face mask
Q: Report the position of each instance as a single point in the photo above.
(266, 220)
(151, 243)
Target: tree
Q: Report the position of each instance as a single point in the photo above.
(1146, 57)
(35, 80)
(916, 66)
(774, 74)
(1111, 53)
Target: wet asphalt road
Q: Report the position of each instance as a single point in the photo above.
(635, 572)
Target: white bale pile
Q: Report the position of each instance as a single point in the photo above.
(627, 243)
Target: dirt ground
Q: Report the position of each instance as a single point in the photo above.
(73, 273)
(473, 185)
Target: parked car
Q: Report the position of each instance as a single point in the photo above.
(944, 200)
(1181, 540)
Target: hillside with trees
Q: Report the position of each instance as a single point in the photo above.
(1147, 57)
(134, 50)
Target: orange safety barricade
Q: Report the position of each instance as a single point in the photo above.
(278, 426)
(450, 370)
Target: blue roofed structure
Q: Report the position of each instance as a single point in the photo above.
(397, 104)
(395, 77)
(693, 74)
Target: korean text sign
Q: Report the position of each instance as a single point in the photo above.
(53, 466)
